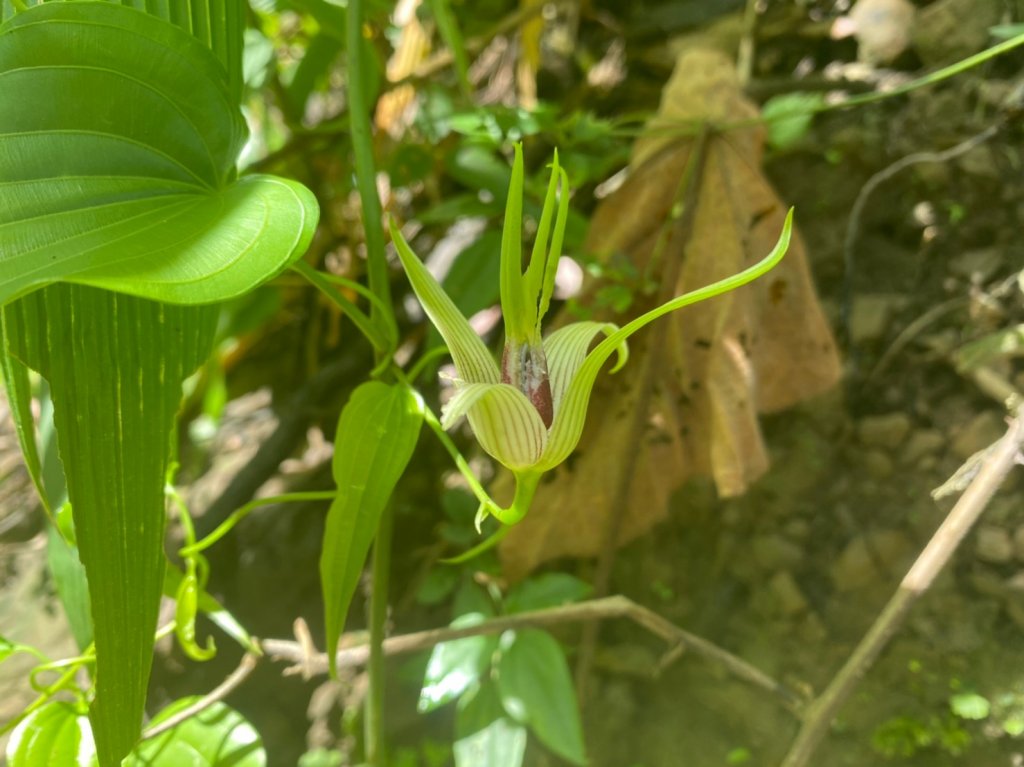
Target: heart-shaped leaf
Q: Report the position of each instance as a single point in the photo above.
(216, 737)
(57, 733)
(117, 166)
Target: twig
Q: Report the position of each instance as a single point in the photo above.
(221, 691)
(595, 609)
(678, 225)
(917, 581)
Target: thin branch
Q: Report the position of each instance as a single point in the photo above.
(917, 581)
(221, 691)
(853, 228)
(596, 609)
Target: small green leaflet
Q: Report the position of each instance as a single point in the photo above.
(56, 734)
(457, 665)
(536, 689)
(117, 165)
(377, 432)
(59, 735)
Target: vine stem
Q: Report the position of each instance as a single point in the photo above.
(820, 714)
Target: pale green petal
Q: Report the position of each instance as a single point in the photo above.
(505, 422)
(471, 357)
(566, 349)
(569, 418)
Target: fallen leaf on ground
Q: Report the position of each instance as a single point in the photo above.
(687, 402)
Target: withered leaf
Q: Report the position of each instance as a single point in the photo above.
(687, 402)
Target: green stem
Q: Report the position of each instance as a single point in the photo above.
(366, 173)
(526, 488)
(374, 720)
(383, 337)
(241, 513)
(870, 98)
(613, 341)
(460, 462)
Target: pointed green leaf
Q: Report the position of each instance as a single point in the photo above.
(471, 357)
(56, 734)
(484, 735)
(520, 317)
(218, 736)
(505, 422)
(115, 365)
(568, 425)
(377, 432)
(117, 167)
(536, 688)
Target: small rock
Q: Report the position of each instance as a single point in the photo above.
(977, 265)
(774, 552)
(788, 596)
(980, 432)
(1018, 543)
(877, 464)
(882, 28)
(858, 564)
(922, 443)
(887, 430)
(993, 545)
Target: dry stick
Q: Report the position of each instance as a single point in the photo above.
(677, 228)
(592, 610)
(918, 579)
(221, 691)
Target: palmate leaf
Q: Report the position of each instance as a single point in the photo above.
(118, 140)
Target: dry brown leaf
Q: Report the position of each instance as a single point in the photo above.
(687, 402)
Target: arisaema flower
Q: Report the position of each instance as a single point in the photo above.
(528, 412)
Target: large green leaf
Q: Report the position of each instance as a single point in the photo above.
(119, 134)
(536, 689)
(377, 432)
(115, 365)
(216, 737)
(56, 734)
